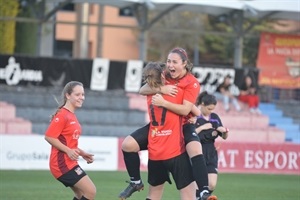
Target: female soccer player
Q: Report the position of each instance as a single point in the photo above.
(63, 134)
(165, 142)
(209, 127)
(178, 75)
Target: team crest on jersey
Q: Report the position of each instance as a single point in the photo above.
(195, 85)
(76, 135)
(154, 132)
(56, 119)
(78, 171)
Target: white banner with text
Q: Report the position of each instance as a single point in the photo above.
(32, 152)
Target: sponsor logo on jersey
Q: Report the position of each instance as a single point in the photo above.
(155, 132)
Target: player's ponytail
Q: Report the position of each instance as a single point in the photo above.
(152, 74)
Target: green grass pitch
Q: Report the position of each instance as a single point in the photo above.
(40, 185)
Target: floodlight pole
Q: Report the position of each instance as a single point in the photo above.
(141, 14)
(238, 42)
(238, 52)
(143, 45)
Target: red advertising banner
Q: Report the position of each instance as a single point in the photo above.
(263, 158)
(281, 158)
(279, 60)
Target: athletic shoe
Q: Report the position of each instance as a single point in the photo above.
(258, 111)
(207, 196)
(252, 110)
(131, 188)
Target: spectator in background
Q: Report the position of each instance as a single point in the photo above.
(248, 94)
(224, 94)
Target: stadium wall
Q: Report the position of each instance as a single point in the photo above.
(101, 74)
(31, 152)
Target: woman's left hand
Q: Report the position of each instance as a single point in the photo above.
(193, 120)
(88, 157)
(158, 100)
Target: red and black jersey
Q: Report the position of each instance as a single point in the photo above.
(165, 138)
(66, 128)
(190, 86)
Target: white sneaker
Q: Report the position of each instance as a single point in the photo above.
(252, 110)
(258, 111)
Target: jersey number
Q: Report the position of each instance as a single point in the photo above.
(163, 116)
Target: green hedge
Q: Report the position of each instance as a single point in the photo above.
(8, 8)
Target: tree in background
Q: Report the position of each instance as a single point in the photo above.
(212, 36)
(174, 29)
(224, 49)
(8, 8)
(287, 26)
(27, 32)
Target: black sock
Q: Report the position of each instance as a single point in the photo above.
(210, 191)
(197, 193)
(148, 199)
(75, 198)
(132, 162)
(200, 172)
(83, 198)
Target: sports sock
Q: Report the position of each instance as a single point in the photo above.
(204, 191)
(83, 198)
(132, 163)
(210, 191)
(75, 198)
(197, 193)
(200, 172)
(136, 182)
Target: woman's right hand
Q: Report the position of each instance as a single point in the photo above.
(73, 154)
(169, 90)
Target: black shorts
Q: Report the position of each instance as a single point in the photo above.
(180, 168)
(70, 178)
(141, 136)
(211, 157)
(189, 133)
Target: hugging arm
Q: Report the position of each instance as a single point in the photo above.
(157, 100)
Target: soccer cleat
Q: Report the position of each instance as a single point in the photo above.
(131, 188)
(207, 196)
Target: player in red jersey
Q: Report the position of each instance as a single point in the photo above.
(63, 134)
(178, 75)
(166, 143)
